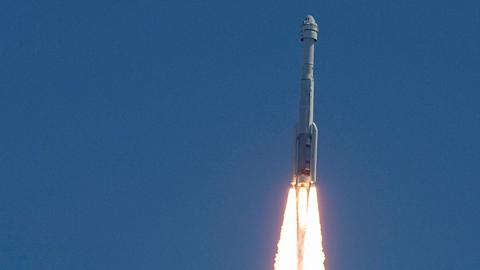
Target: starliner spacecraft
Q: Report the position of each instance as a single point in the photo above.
(306, 133)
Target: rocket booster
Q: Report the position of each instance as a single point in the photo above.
(305, 145)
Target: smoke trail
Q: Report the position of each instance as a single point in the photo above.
(286, 258)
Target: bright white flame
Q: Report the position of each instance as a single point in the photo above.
(300, 244)
(286, 258)
(313, 256)
(302, 219)
(302, 208)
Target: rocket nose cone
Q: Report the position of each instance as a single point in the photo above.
(309, 20)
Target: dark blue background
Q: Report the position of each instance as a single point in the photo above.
(157, 134)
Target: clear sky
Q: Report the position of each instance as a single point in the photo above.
(157, 134)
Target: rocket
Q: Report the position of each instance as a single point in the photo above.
(306, 133)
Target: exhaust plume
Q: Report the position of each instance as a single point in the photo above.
(300, 244)
(286, 258)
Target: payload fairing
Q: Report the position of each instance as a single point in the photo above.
(306, 132)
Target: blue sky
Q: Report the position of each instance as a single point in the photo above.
(157, 134)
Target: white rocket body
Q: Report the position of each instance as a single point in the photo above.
(305, 144)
